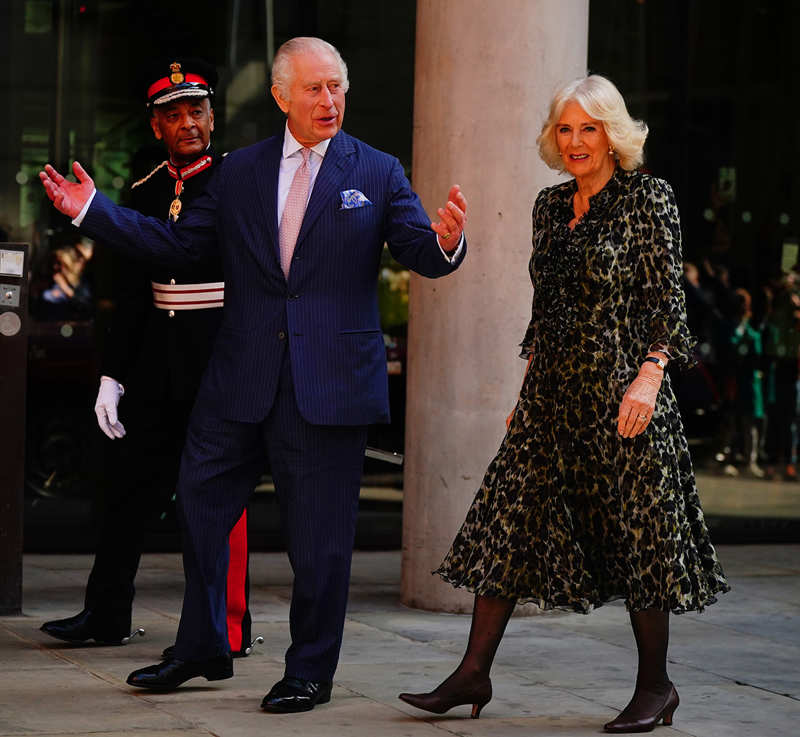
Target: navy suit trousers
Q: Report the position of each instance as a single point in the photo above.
(317, 472)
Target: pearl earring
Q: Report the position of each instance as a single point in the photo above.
(610, 151)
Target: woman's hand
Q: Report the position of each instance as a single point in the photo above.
(639, 401)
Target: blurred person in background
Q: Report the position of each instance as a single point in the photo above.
(782, 346)
(746, 400)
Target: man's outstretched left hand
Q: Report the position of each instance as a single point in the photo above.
(453, 219)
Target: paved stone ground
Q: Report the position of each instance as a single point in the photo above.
(737, 666)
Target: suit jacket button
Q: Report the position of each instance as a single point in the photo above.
(281, 335)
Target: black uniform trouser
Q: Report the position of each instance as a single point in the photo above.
(140, 473)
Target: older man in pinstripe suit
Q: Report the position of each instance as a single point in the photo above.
(299, 367)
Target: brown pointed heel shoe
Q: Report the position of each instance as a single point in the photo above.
(624, 724)
(441, 699)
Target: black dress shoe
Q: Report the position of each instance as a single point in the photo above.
(296, 694)
(171, 673)
(87, 626)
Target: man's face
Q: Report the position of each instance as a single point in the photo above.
(315, 107)
(185, 127)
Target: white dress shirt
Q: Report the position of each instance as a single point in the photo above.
(291, 160)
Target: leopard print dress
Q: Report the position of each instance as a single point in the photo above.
(570, 514)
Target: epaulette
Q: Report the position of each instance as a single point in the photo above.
(144, 179)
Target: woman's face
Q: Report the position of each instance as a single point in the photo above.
(583, 143)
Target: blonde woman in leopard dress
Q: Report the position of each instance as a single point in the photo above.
(591, 496)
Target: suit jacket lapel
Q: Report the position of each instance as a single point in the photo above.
(339, 159)
(267, 167)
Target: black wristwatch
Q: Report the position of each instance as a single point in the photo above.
(657, 361)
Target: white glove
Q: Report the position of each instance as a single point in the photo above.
(106, 407)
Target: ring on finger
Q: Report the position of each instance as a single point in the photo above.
(446, 235)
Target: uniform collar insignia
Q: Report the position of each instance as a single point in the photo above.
(187, 172)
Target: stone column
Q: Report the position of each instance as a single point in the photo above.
(485, 74)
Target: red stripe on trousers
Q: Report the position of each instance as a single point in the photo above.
(237, 573)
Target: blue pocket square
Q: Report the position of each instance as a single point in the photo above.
(352, 198)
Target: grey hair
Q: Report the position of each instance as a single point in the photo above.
(602, 101)
(283, 71)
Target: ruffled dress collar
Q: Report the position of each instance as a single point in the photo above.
(599, 204)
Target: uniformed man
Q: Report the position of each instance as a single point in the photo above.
(160, 340)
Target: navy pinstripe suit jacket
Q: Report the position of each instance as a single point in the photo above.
(328, 310)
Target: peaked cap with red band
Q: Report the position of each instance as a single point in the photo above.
(179, 79)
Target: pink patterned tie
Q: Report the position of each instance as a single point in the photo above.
(293, 212)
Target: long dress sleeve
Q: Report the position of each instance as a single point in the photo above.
(538, 216)
(658, 272)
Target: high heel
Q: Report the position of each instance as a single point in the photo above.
(647, 722)
(443, 699)
(470, 682)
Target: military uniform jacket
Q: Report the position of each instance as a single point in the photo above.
(154, 354)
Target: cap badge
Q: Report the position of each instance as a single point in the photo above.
(177, 75)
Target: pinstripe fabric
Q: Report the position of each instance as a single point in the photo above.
(328, 309)
(298, 369)
(317, 473)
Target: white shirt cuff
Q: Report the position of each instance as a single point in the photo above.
(78, 219)
(451, 258)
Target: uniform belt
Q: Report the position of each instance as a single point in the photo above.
(188, 296)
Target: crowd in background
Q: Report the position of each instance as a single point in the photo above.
(747, 374)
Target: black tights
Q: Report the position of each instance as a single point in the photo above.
(490, 616)
(651, 631)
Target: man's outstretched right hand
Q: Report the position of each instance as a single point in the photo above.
(68, 197)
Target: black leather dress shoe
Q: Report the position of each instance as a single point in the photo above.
(169, 674)
(296, 694)
(87, 626)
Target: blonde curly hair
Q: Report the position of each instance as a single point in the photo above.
(600, 98)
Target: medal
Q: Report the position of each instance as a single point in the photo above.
(175, 206)
(179, 175)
